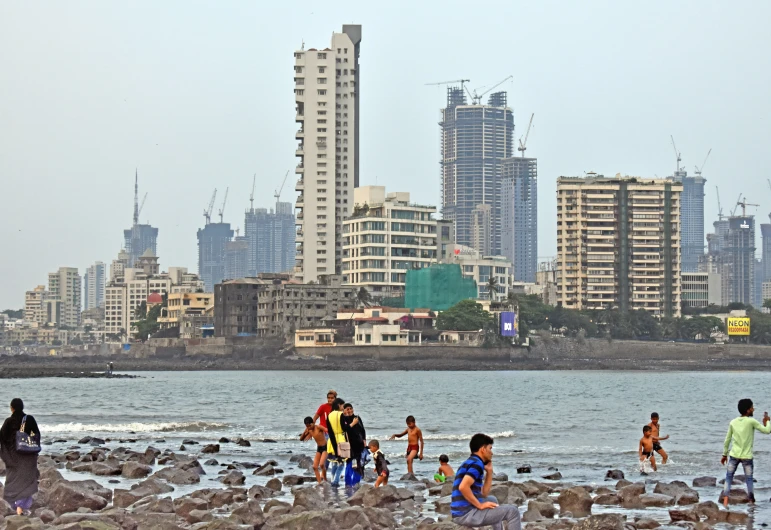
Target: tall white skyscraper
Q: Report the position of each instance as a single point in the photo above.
(327, 97)
(65, 286)
(93, 285)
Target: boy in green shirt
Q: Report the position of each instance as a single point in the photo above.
(742, 431)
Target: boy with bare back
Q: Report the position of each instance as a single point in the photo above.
(655, 428)
(414, 442)
(318, 434)
(645, 448)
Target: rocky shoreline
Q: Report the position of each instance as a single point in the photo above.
(23, 366)
(165, 490)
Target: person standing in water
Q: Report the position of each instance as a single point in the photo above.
(22, 472)
(336, 436)
(656, 434)
(741, 431)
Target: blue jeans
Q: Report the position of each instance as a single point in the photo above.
(336, 471)
(733, 463)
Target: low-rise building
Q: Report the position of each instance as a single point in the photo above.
(467, 338)
(314, 337)
(189, 312)
(369, 334)
(695, 289)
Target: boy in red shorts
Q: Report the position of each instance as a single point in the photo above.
(414, 442)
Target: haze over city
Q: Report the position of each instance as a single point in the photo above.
(198, 98)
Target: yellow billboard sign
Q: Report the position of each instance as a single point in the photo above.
(738, 325)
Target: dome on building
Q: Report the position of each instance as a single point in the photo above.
(154, 298)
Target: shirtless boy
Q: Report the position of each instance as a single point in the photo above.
(414, 442)
(318, 434)
(445, 470)
(645, 449)
(655, 427)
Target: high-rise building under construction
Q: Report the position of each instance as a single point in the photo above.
(519, 216)
(270, 236)
(692, 212)
(212, 241)
(476, 138)
(139, 238)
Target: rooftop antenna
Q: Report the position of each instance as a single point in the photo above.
(719, 208)
(523, 144)
(221, 213)
(251, 197)
(677, 153)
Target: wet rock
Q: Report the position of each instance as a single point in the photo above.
(107, 468)
(614, 474)
(575, 500)
(199, 516)
(385, 496)
(243, 443)
(553, 476)
(135, 470)
(524, 469)
(682, 493)
(500, 477)
(737, 518)
(646, 523)
(153, 504)
(623, 483)
(152, 486)
(234, 478)
(45, 515)
(260, 492)
(656, 500)
(605, 521)
(211, 462)
(224, 440)
(269, 441)
(16, 522)
(532, 516)
(409, 477)
(266, 470)
(184, 505)
(737, 496)
(211, 448)
(380, 518)
(704, 482)
(218, 498)
(189, 442)
(275, 504)
(249, 513)
(546, 509)
(66, 497)
(293, 480)
(275, 484)
(630, 495)
(308, 498)
(178, 476)
(607, 499)
(676, 516)
(182, 448)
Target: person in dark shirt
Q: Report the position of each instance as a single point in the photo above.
(381, 464)
(353, 427)
(472, 504)
(22, 472)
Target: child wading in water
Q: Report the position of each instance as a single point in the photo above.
(318, 434)
(414, 442)
(445, 470)
(381, 464)
(655, 428)
(645, 449)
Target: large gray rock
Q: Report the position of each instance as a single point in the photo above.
(249, 513)
(682, 493)
(546, 509)
(153, 504)
(124, 498)
(676, 516)
(135, 470)
(605, 521)
(656, 500)
(380, 518)
(576, 500)
(178, 476)
(234, 478)
(184, 505)
(308, 498)
(69, 496)
(704, 482)
(211, 448)
(630, 495)
(274, 484)
(614, 474)
(607, 499)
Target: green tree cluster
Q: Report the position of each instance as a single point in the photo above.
(14, 313)
(466, 315)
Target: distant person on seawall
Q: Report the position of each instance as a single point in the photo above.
(22, 473)
(472, 504)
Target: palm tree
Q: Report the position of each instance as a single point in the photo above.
(492, 287)
(363, 298)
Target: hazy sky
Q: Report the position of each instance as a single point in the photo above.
(199, 95)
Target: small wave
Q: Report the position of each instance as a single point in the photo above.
(453, 437)
(188, 426)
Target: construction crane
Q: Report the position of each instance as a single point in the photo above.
(699, 169)
(141, 205)
(251, 197)
(523, 145)
(477, 98)
(719, 208)
(738, 202)
(744, 205)
(677, 153)
(221, 213)
(461, 81)
(277, 194)
(136, 197)
(207, 211)
(769, 183)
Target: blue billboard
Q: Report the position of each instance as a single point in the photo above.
(509, 324)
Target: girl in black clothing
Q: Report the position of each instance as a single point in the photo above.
(22, 473)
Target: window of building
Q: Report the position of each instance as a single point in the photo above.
(321, 92)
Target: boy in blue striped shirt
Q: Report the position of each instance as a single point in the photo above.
(472, 504)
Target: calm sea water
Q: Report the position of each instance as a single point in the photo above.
(582, 423)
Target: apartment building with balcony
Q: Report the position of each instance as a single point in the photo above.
(618, 244)
(327, 98)
(384, 237)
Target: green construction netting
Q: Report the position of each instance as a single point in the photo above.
(438, 287)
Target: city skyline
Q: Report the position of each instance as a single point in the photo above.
(616, 112)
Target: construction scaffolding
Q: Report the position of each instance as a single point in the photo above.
(438, 287)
